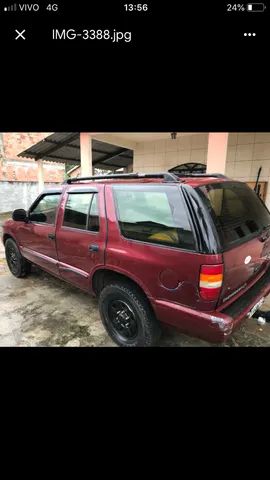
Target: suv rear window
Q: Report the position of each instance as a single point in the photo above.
(236, 210)
(153, 214)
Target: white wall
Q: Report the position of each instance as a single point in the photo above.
(247, 152)
(163, 154)
(19, 195)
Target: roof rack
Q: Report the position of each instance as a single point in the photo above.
(167, 177)
(186, 174)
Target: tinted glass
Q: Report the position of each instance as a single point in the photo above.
(81, 209)
(46, 206)
(153, 214)
(236, 210)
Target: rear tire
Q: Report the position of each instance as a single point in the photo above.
(127, 316)
(18, 265)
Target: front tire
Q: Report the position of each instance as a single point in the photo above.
(127, 316)
(18, 265)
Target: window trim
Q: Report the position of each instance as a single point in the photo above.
(64, 227)
(162, 245)
(38, 200)
(82, 190)
(77, 192)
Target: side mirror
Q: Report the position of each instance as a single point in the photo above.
(19, 215)
(38, 217)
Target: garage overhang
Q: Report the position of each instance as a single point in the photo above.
(65, 148)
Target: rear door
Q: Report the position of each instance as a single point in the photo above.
(81, 233)
(243, 226)
(150, 240)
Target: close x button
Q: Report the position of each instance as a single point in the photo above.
(20, 34)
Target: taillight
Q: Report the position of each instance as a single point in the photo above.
(211, 277)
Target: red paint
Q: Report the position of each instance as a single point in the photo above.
(169, 276)
(239, 272)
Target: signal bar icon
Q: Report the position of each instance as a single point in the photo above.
(11, 8)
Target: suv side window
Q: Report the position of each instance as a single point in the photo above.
(153, 214)
(45, 210)
(81, 211)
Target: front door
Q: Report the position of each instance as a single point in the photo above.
(81, 233)
(37, 236)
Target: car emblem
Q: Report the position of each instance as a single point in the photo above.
(247, 259)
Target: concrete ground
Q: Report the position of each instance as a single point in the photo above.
(41, 310)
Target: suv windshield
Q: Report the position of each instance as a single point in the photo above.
(236, 210)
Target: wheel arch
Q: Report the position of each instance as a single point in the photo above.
(6, 236)
(104, 276)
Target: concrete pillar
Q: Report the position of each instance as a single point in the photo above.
(40, 176)
(86, 154)
(217, 152)
(1, 146)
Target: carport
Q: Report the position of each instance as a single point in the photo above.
(81, 149)
(241, 156)
(115, 150)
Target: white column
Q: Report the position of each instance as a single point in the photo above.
(86, 154)
(217, 152)
(40, 176)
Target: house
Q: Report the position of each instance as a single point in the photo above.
(241, 156)
(19, 176)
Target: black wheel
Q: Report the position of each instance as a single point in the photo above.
(127, 316)
(18, 265)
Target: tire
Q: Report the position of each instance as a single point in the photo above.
(127, 316)
(18, 265)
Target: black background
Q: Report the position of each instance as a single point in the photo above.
(189, 67)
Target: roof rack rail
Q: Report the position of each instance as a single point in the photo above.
(186, 174)
(168, 177)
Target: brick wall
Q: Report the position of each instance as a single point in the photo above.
(15, 143)
(18, 169)
(19, 176)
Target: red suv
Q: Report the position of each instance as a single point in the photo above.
(191, 251)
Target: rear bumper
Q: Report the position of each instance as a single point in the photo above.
(218, 325)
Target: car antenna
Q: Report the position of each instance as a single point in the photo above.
(256, 189)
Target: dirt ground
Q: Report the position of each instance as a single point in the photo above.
(41, 310)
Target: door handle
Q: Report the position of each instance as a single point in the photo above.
(93, 247)
(51, 236)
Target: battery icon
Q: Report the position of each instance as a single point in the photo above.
(256, 7)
